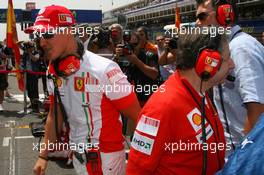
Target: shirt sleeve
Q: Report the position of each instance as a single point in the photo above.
(117, 88)
(249, 73)
(148, 144)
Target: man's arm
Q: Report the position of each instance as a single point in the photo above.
(254, 110)
(50, 130)
(167, 57)
(249, 73)
(49, 138)
(132, 111)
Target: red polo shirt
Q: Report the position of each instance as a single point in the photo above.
(167, 139)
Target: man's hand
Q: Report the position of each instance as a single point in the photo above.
(40, 167)
(119, 50)
(132, 58)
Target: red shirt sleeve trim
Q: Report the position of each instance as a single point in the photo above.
(51, 98)
(125, 102)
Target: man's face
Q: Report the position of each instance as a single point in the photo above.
(54, 45)
(225, 68)
(160, 41)
(142, 36)
(206, 15)
(116, 34)
(133, 39)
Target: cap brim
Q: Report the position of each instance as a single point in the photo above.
(37, 28)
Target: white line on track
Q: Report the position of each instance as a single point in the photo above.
(12, 157)
(6, 140)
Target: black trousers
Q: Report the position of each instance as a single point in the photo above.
(32, 86)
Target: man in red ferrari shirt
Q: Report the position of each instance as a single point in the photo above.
(173, 134)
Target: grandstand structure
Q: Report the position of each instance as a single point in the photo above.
(158, 13)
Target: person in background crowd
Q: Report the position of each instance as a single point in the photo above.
(174, 114)
(3, 80)
(30, 62)
(242, 99)
(143, 71)
(84, 34)
(116, 34)
(43, 65)
(166, 55)
(84, 98)
(102, 42)
(9, 66)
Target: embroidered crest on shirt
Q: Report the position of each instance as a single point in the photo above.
(79, 84)
(59, 82)
(195, 119)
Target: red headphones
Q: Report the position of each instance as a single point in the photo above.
(66, 66)
(224, 13)
(209, 59)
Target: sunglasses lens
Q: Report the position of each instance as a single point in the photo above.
(48, 35)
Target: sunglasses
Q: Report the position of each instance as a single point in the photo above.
(158, 40)
(202, 16)
(47, 35)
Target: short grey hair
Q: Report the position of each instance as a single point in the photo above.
(116, 25)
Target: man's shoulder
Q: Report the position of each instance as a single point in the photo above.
(243, 40)
(96, 61)
(167, 96)
(151, 47)
(96, 64)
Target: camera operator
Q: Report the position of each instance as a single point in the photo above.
(10, 62)
(84, 35)
(116, 34)
(143, 68)
(43, 66)
(168, 56)
(30, 62)
(101, 43)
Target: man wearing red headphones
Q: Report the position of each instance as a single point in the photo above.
(170, 140)
(242, 101)
(88, 92)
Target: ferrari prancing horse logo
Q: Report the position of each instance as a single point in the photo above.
(79, 84)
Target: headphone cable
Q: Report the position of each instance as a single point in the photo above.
(203, 131)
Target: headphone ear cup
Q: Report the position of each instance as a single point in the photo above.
(225, 14)
(66, 66)
(208, 63)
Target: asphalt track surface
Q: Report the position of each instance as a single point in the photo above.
(17, 153)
